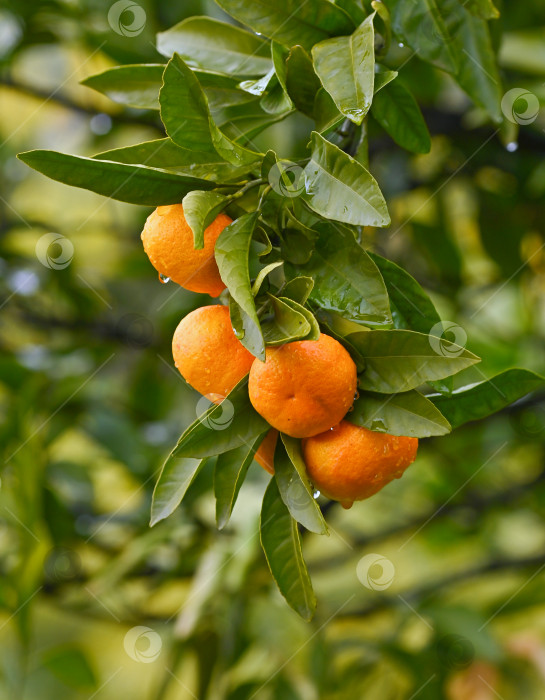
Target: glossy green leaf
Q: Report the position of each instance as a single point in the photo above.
(338, 187)
(163, 153)
(396, 110)
(346, 280)
(478, 72)
(177, 475)
(232, 251)
(200, 210)
(485, 398)
(212, 45)
(412, 304)
(229, 475)
(409, 413)
(352, 8)
(398, 360)
(485, 9)
(314, 332)
(187, 119)
(295, 488)
(291, 22)
(132, 85)
(246, 330)
(296, 247)
(262, 275)
(346, 68)
(282, 546)
(279, 55)
(383, 76)
(302, 83)
(135, 184)
(258, 85)
(222, 427)
(298, 289)
(287, 324)
(420, 24)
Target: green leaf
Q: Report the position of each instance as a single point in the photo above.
(279, 55)
(163, 153)
(484, 9)
(296, 246)
(478, 72)
(291, 22)
(346, 280)
(246, 330)
(232, 251)
(420, 24)
(135, 184)
(177, 475)
(398, 360)
(222, 427)
(338, 187)
(229, 475)
(409, 413)
(287, 325)
(132, 85)
(187, 119)
(346, 68)
(295, 488)
(314, 332)
(258, 85)
(302, 83)
(263, 273)
(396, 110)
(352, 8)
(200, 210)
(282, 546)
(383, 76)
(212, 45)
(412, 304)
(481, 400)
(298, 289)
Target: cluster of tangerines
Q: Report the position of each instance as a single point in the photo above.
(303, 388)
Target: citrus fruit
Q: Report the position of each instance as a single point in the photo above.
(304, 387)
(207, 353)
(168, 242)
(265, 452)
(349, 463)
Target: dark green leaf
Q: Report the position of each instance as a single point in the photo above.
(338, 187)
(302, 83)
(135, 184)
(263, 274)
(421, 26)
(481, 400)
(296, 247)
(162, 153)
(212, 45)
(383, 76)
(291, 22)
(478, 73)
(396, 110)
(133, 85)
(229, 475)
(295, 488)
(222, 427)
(200, 210)
(399, 360)
(314, 332)
(346, 280)
(409, 414)
(282, 546)
(187, 119)
(232, 250)
(411, 301)
(279, 55)
(346, 68)
(287, 325)
(246, 330)
(177, 475)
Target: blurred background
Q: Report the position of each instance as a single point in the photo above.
(94, 604)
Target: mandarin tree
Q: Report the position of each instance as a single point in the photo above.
(315, 335)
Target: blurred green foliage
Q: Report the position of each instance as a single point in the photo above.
(90, 402)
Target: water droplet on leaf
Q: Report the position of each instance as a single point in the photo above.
(163, 279)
